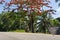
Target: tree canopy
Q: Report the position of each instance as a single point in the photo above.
(26, 14)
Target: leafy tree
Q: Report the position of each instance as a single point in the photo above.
(45, 22)
(30, 8)
(11, 22)
(58, 19)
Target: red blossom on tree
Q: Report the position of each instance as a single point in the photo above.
(32, 4)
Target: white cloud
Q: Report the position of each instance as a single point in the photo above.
(58, 9)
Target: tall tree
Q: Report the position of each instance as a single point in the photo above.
(29, 6)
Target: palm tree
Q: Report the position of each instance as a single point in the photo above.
(45, 22)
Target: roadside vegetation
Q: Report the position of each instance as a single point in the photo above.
(27, 17)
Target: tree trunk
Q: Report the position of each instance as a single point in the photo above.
(31, 27)
(32, 22)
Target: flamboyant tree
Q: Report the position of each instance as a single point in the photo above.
(32, 4)
(29, 6)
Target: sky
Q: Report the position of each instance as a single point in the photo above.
(52, 3)
(1, 6)
(55, 7)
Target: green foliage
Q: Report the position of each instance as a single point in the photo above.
(15, 21)
(44, 22)
(17, 30)
(11, 21)
(55, 22)
(58, 19)
(19, 21)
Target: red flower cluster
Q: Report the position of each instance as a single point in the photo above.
(31, 4)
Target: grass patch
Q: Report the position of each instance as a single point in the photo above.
(17, 31)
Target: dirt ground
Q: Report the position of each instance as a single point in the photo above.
(27, 36)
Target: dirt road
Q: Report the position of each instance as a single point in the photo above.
(27, 36)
